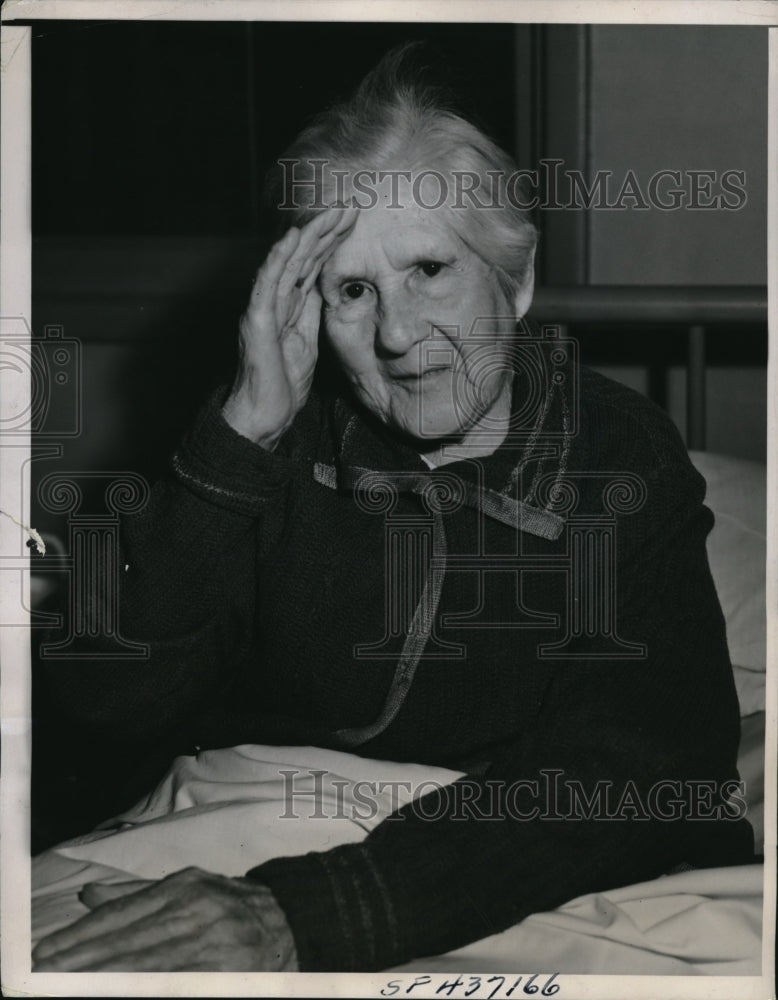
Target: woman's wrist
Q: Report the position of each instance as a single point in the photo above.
(245, 418)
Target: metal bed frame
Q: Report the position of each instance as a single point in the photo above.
(695, 307)
(155, 274)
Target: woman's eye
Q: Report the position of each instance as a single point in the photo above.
(431, 268)
(354, 290)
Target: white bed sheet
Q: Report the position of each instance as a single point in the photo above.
(224, 811)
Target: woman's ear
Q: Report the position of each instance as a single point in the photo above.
(522, 299)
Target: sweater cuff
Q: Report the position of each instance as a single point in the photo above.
(337, 907)
(218, 464)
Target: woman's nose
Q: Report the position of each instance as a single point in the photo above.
(399, 326)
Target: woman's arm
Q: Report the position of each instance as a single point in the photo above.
(474, 858)
(187, 588)
(471, 859)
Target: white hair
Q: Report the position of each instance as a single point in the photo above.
(395, 120)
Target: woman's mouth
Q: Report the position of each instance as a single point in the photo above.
(417, 377)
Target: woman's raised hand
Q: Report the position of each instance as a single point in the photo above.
(279, 330)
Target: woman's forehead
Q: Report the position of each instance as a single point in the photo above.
(399, 236)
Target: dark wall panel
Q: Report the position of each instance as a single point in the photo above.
(167, 128)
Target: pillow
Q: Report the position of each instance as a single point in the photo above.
(737, 495)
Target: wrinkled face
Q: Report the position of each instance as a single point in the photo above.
(419, 324)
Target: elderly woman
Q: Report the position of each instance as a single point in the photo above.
(473, 554)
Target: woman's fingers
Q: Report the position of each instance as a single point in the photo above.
(304, 285)
(108, 917)
(279, 273)
(315, 238)
(266, 282)
(278, 331)
(293, 262)
(317, 242)
(94, 894)
(327, 245)
(277, 259)
(311, 313)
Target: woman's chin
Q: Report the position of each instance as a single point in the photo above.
(435, 430)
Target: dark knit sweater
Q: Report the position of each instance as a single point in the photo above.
(252, 578)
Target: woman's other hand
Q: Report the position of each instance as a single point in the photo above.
(190, 921)
(279, 330)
